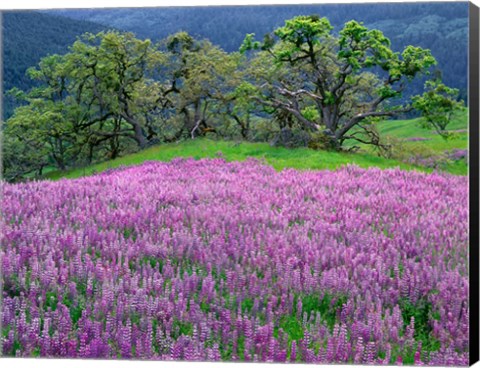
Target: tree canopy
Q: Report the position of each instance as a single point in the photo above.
(346, 79)
(113, 93)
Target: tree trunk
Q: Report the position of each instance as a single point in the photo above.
(197, 119)
(244, 126)
(139, 136)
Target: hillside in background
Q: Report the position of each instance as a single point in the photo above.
(29, 36)
(443, 28)
(416, 141)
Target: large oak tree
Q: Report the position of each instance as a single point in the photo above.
(349, 79)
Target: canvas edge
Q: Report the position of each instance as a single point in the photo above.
(1, 169)
(473, 98)
(474, 143)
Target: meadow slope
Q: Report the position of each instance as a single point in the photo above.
(303, 158)
(210, 260)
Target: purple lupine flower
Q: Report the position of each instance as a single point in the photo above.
(179, 260)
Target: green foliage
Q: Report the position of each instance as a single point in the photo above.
(247, 305)
(310, 113)
(51, 300)
(129, 232)
(438, 105)
(113, 93)
(204, 307)
(440, 28)
(303, 29)
(249, 43)
(364, 48)
(76, 312)
(416, 60)
(292, 327)
(154, 262)
(422, 313)
(181, 328)
(87, 101)
(318, 81)
(203, 85)
(328, 306)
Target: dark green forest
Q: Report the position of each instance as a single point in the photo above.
(29, 36)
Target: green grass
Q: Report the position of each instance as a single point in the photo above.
(411, 128)
(278, 157)
(435, 145)
(300, 158)
(404, 129)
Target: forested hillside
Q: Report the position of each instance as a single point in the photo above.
(304, 85)
(443, 29)
(29, 36)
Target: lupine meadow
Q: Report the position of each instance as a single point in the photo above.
(215, 260)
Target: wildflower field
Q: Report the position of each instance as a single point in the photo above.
(215, 260)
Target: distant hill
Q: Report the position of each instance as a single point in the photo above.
(441, 27)
(28, 36)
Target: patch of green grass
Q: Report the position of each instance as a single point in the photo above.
(279, 157)
(184, 328)
(16, 346)
(299, 158)
(75, 312)
(411, 128)
(247, 305)
(328, 306)
(405, 129)
(457, 168)
(292, 327)
(154, 262)
(422, 313)
(226, 351)
(135, 318)
(433, 145)
(51, 300)
(6, 330)
(241, 347)
(205, 307)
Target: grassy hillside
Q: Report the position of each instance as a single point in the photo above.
(301, 158)
(413, 141)
(408, 129)
(278, 157)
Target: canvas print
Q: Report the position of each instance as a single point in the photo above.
(251, 183)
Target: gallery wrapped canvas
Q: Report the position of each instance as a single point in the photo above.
(281, 184)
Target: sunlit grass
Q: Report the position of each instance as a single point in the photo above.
(299, 158)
